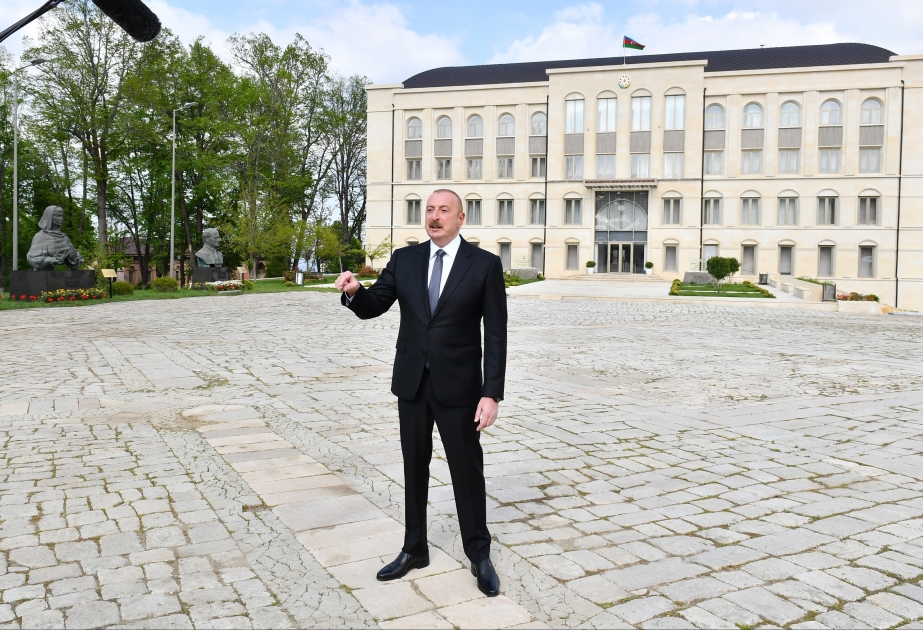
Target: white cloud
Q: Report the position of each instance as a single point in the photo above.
(188, 25)
(583, 31)
(11, 11)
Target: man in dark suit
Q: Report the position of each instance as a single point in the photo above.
(445, 287)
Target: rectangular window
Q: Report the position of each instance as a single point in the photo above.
(413, 212)
(676, 112)
(748, 267)
(825, 262)
(749, 211)
(505, 168)
(671, 209)
(537, 211)
(414, 169)
(473, 215)
(506, 212)
(444, 169)
(868, 210)
(826, 211)
(538, 251)
(506, 256)
(605, 167)
(751, 161)
(869, 160)
(573, 167)
(673, 165)
(640, 165)
(538, 167)
(475, 168)
(712, 212)
(605, 121)
(866, 262)
(572, 211)
(713, 162)
(574, 122)
(785, 260)
(670, 262)
(710, 252)
(787, 209)
(829, 160)
(641, 113)
(573, 257)
(788, 161)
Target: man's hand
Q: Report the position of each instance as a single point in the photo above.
(486, 414)
(347, 283)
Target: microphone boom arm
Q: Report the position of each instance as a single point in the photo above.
(42, 10)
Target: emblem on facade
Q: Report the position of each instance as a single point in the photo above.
(624, 81)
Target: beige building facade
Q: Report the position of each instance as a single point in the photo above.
(802, 161)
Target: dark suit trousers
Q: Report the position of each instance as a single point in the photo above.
(462, 443)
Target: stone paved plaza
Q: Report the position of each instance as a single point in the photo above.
(233, 462)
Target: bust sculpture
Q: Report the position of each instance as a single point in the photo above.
(209, 256)
(50, 246)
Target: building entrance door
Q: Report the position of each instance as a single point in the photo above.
(621, 232)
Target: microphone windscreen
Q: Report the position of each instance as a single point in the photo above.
(133, 16)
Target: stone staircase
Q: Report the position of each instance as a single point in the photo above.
(618, 277)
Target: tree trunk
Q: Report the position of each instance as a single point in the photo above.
(83, 203)
(185, 212)
(4, 262)
(101, 185)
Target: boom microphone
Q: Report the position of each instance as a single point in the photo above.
(133, 16)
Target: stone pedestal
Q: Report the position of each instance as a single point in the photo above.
(210, 274)
(32, 283)
(698, 277)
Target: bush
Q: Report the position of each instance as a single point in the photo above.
(289, 283)
(289, 276)
(722, 268)
(648, 265)
(248, 285)
(165, 285)
(367, 272)
(591, 263)
(122, 288)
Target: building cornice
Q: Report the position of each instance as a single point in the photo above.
(471, 88)
(620, 184)
(848, 68)
(624, 67)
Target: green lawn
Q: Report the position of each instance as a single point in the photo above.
(727, 290)
(259, 286)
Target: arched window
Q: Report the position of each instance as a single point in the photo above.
(830, 113)
(539, 124)
(444, 127)
(790, 115)
(714, 117)
(753, 116)
(871, 112)
(475, 127)
(507, 125)
(414, 129)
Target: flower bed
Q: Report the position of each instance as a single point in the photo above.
(856, 297)
(223, 285)
(71, 295)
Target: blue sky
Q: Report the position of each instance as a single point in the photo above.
(390, 41)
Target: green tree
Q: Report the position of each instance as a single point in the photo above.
(722, 268)
(380, 251)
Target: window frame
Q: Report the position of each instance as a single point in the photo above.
(678, 115)
(830, 117)
(823, 160)
(573, 168)
(675, 158)
(574, 115)
(478, 126)
(872, 269)
(540, 161)
(866, 155)
(506, 167)
(572, 247)
(573, 211)
(709, 124)
(605, 173)
(543, 124)
(469, 162)
(666, 257)
(411, 126)
(747, 160)
(505, 209)
(783, 114)
(877, 112)
(827, 209)
(414, 167)
(414, 212)
(640, 115)
(753, 119)
(748, 215)
(509, 125)
(537, 210)
(473, 211)
(784, 161)
(791, 206)
(440, 128)
(710, 159)
(637, 161)
(864, 202)
(820, 261)
(711, 211)
(443, 169)
(607, 117)
(672, 210)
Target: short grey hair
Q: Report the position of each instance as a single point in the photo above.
(210, 232)
(461, 206)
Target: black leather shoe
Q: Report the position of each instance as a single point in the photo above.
(488, 580)
(400, 567)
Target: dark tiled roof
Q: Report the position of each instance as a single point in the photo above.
(718, 61)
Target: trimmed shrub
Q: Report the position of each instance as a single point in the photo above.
(591, 263)
(367, 272)
(122, 288)
(289, 276)
(165, 285)
(649, 265)
(248, 285)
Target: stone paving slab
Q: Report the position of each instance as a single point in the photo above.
(655, 466)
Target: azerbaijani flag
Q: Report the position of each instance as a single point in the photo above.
(628, 42)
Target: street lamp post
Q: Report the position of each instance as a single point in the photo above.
(173, 190)
(34, 62)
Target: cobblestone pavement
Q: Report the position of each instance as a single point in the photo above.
(233, 462)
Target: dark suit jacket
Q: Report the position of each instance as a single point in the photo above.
(451, 339)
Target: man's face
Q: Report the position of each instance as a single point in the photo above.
(213, 240)
(444, 218)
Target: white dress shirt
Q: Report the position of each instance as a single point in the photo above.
(451, 252)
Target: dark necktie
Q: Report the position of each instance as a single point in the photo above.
(434, 282)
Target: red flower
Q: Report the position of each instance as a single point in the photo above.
(50, 300)
(22, 297)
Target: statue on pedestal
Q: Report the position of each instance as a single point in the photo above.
(50, 246)
(209, 256)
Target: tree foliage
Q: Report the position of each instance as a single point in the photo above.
(722, 268)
